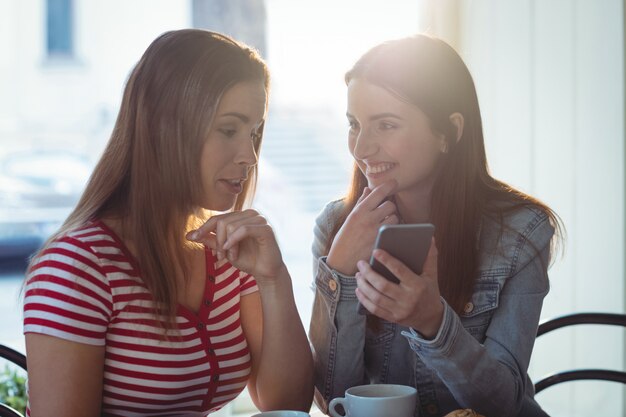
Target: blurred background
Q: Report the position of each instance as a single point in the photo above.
(550, 80)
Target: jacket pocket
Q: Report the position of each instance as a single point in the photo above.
(380, 331)
(477, 312)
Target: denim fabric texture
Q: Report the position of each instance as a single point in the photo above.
(478, 359)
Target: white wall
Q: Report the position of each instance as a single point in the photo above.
(550, 80)
(73, 101)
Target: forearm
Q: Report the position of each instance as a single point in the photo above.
(477, 377)
(491, 377)
(285, 374)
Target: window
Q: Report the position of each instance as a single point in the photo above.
(59, 28)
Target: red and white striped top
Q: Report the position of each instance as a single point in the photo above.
(86, 287)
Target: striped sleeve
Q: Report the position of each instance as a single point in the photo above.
(67, 294)
(247, 284)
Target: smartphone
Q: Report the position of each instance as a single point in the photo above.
(409, 243)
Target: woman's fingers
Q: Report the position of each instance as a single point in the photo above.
(261, 231)
(376, 197)
(396, 267)
(210, 240)
(386, 209)
(214, 232)
(220, 234)
(391, 219)
(371, 301)
(379, 291)
(235, 224)
(211, 225)
(414, 302)
(365, 193)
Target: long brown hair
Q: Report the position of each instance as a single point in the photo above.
(148, 177)
(428, 73)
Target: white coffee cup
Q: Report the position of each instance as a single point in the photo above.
(376, 400)
(282, 413)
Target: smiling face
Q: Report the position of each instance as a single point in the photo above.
(391, 139)
(231, 147)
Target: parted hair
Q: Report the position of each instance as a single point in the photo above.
(148, 177)
(428, 73)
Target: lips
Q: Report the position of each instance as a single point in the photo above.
(235, 181)
(233, 185)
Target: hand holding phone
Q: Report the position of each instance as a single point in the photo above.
(409, 243)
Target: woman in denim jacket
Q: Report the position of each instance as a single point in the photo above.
(462, 332)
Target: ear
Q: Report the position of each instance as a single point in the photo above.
(457, 120)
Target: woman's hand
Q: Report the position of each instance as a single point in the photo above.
(414, 302)
(246, 240)
(355, 239)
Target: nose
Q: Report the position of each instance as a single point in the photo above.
(247, 154)
(364, 144)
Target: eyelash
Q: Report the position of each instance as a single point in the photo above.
(387, 126)
(382, 126)
(229, 133)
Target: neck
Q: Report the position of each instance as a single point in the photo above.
(413, 207)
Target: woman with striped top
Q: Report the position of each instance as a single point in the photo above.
(146, 302)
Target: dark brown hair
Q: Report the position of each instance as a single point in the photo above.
(428, 73)
(149, 174)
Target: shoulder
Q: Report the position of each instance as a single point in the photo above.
(329, 214)
(517, 233)
(75, 255)
(69, 281)
(520, 220)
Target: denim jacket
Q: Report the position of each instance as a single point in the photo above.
(478, 359)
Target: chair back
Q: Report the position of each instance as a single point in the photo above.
(6, 411)
(13, 356)
(612, 319)
(18, 359)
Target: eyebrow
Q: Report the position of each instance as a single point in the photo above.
(239, 116)
(378, 116)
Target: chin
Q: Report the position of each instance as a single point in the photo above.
(219, 206)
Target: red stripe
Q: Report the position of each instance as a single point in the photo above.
(155, 334)
(155, 363)
(154, 401)
(229, 312)
(73, 254)
(233, 381)
(241, 353)
(225, 298)
(225, 330)
(165, 350)
(222, 269)
(63, 327)
(154, 390)
(66, 298)
(225, 282)
(248, 285)
(234, 368)
(229, 343)
(71, 284)
(150, 376)
(65, 313)
(127, 409)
